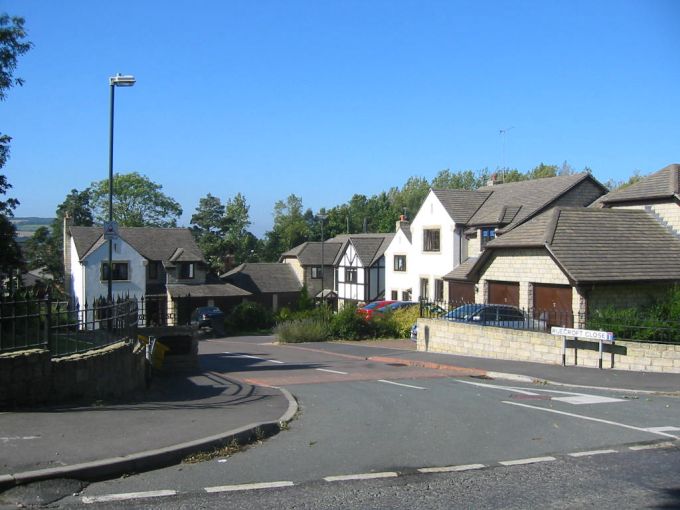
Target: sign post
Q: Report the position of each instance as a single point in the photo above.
(603, 337)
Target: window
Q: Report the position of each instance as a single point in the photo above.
(395, 295)
(424, 288)
(406, 295)
(400, 262)
(351, 274)
(316, 272)
(488, 234)
(120, 271)
(431, 239)
(152, 269)
(439, 290)
(186, 270)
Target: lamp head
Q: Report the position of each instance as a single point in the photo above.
(122, 80)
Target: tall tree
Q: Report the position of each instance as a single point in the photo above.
(207, 224)
(13, 44)
(289, 230)
(137, 202)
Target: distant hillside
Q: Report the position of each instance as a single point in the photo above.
(27, 225)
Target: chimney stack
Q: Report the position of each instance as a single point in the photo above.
(66, 234)
(403, 223)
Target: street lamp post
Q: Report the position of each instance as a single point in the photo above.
(322, 217)
(114, 81)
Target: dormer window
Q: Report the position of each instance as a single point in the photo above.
(186, 270)
(488, 234)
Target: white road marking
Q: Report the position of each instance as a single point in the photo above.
(332, 371)
(401, 384)
(654, 446)
(662, 429)
(571, 398)
(252, 357)
(449, 469)
(248, 486)
(362, 476)
(533, 460)
(587, 399)
(127, 495)
(496, 387)
(592, 452)
(589, 418)
(7, 439)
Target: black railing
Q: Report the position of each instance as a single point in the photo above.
(63, 327)
(635, 327)
(502, 316)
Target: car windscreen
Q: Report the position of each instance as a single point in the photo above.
(464, 312)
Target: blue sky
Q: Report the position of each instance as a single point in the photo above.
(326, 99)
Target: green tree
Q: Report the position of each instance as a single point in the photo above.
(613, 184)
(137, 202)
(237, 221)
(290, 228)
(13, 44)
(207, 224)
(542, 171)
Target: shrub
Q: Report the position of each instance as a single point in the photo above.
(249, 316)
(403, 319)
(303, 330)
(347, 324)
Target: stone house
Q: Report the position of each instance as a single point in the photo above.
(306, 262)
(452, 228)
(272, 284)
(621, 252)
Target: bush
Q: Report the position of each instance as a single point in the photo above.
(249, 316)
(303, 330)
(403, 319)
(348, 324)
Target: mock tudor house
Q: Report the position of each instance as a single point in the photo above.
(360, 267)
(621, 252)
(452, 228)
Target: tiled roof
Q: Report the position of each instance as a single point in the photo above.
(599, 245)
(369, 247)
(263, 277)
(662, 184)
(150, 242)
(516, 202)
(309, 253)
(462, 270)
(207, 290)
(461, 204)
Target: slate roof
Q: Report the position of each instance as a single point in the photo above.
(207, 290)
(662, 184)
(515, 202)
(598, 245)
(164, 244)
(309, 253)
(369, 247)
(263, 277)
(461, 204)
(462, 270)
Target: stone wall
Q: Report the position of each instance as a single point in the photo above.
(32, 377)
(436, 335)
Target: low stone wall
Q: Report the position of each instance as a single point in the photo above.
(31, 377)
(436, 335)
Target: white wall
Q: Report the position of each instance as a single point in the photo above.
(431, 265)
(87, 283)
(398, 280)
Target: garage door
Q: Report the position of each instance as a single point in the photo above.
(461, 292)
(504, 293)
(553, 303)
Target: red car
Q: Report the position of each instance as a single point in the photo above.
(367, 311)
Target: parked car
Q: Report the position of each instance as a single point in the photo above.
(206, 316)
(394, 305)
(368, 310)
(504, 316)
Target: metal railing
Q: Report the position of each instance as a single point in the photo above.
(633, 327)
(60, 327)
